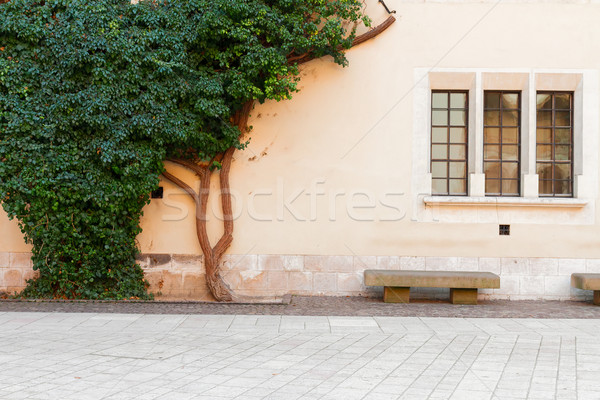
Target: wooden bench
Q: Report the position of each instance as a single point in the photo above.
(587, 282)
(463, 284)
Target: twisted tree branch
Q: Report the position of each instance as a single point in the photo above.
(306, 57)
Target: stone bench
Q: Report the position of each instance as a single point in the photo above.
(463, 284)
(587, 282)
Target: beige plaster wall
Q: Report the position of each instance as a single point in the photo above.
(349, 132)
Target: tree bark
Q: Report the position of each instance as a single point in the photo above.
(213, 255)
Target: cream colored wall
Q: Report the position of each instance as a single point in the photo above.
(11, 239)
(351, 129)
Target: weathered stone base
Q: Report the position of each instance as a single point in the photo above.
(175, 277)
(521, 278)
(182, 277)
(15, 271)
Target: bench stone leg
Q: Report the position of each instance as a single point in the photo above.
(597, 297)
(463, 296)
(396, 294)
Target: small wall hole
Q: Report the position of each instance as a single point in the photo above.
(157, 194)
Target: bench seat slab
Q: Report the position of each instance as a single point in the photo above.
(396, 294)
(441, 279)
(585, 281)
(463, 296)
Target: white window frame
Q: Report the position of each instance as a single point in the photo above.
(529, 208)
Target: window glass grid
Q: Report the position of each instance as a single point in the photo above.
(554, 150)
(502, 143)
(449, 142)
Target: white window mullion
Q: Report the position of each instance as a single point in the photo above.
(528, 141)
(477, 178)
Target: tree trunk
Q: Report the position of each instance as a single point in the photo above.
(213, 255)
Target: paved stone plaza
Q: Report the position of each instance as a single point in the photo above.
(109, 355)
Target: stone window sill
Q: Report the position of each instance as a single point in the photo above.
(503, 201)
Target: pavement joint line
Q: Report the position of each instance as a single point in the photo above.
(450, 368)
(557, 367)
(411, 354)
(283, 335)
(366, 351)
(333, 355)
(468, 367)
(576, 375)
(388, 375)
(148, 351)
(504, 368)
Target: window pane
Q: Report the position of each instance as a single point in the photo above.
(491, 118)
(544, 152)
(439, 169)
(544, 118)
(510, 118)
(562, 135)
(458, 100)
(563, 118)
(544, 170)
(491, 135)
(439, 117)
(458, 186)
(439, 152)
(510, 100)
(458, 169)
(562, 187)
(544, 101)
(491, 100)
(458, 152)
(563, 101)
(458, 135)
(510, 135)
(544, 135)
(510, 170)
(439, 135)
(449, 125)
(510, 187)
(439, 100)
(458, 117)
(491, 152)
(492, 186)
(510, 152)
(555, 173)
(501, 162)
(562, 152)
(546, 187)
(439, 186)
(491, 169)
(562, 171)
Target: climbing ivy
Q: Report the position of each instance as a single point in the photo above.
(95, 95)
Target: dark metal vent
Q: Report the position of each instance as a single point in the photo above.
(157, 194)
(504, 230)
